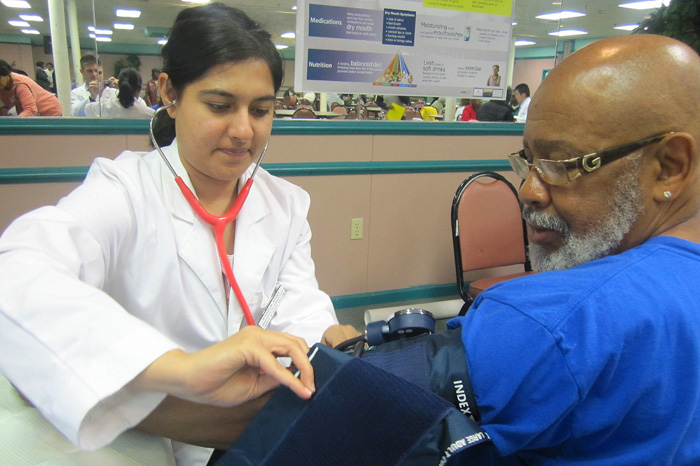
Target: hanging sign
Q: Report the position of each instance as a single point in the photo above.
(456, 48)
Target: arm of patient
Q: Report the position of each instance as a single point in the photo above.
(199, 424)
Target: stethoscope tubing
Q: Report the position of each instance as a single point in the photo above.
(218, 223)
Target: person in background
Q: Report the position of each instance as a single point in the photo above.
(151, 97)
(469, 112)
(123, 103)
(151, 335)
(494, 78)
(26, 96)
(458, 111)
(496, 110)
(51, 75)
(40, 76)
(521, 93)
(93, 85)
(439, 104)
(331, 98)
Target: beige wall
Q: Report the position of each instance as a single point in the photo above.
(407, 235)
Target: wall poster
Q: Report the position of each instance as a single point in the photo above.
(455, 48)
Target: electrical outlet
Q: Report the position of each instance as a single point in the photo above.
(356, 228)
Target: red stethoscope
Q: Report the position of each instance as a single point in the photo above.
(218, 223)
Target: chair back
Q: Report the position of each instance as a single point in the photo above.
(304, 112)
(487, 225)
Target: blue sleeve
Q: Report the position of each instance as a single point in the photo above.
(524, 388)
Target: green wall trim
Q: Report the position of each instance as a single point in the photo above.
(70, 126)
(77, 174)
(96, 126)
(415, 293)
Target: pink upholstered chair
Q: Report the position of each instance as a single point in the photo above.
(487, 231)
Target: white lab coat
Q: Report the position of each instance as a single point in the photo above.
(108, 106)
(521, 117)
(121, 271)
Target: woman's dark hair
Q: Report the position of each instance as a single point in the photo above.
(129, 87)
(5, 68)
(206, 36)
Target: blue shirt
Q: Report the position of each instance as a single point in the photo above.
(599, 364)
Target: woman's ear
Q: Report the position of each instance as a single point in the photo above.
(167, 93)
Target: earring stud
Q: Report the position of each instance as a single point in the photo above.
(667, 194)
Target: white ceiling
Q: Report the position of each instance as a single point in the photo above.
(278, 17)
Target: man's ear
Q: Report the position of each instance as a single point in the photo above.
(677, 157)
(167, 93)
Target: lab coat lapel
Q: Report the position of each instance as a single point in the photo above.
(196, 246)
(253, 247)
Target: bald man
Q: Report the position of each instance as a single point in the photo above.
(597, 361)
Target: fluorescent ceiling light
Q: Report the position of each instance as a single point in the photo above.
(281, 46)
(645, 5)
(518, 43)
(18, 23)
(124, 26)
(196, 1)
(31, 31)
(627, 27)
(103, 39)
(162, 41)
(31, 17)
(122, 13)
(91, 28)
(288, 35)
(16, 4)
(560, 15)
(294, 7)
(104, 32)
(515, 23)
(568, 32)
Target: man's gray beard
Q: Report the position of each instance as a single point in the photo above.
(624, 207)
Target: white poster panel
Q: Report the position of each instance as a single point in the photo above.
(453, 48)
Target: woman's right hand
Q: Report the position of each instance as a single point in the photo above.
(238, 369)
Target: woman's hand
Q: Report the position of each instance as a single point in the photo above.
(238, 369)
(336, 334)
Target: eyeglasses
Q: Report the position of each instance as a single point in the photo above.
(561, 172)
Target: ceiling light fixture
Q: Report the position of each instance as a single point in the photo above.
(645, 5)
(18, 23)
(568, 32)
(31, 31)
(16, 4)
(124, 26)
(627, 27)
(518, 43)
(31, 17)
(288, 35)
(122, 13)
(162, 41)
(560, 15)
(281, 46)
(103, 39)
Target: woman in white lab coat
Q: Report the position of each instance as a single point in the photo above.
(126, 102)
(114, 312)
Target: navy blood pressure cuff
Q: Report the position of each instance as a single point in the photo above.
(382, 409)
